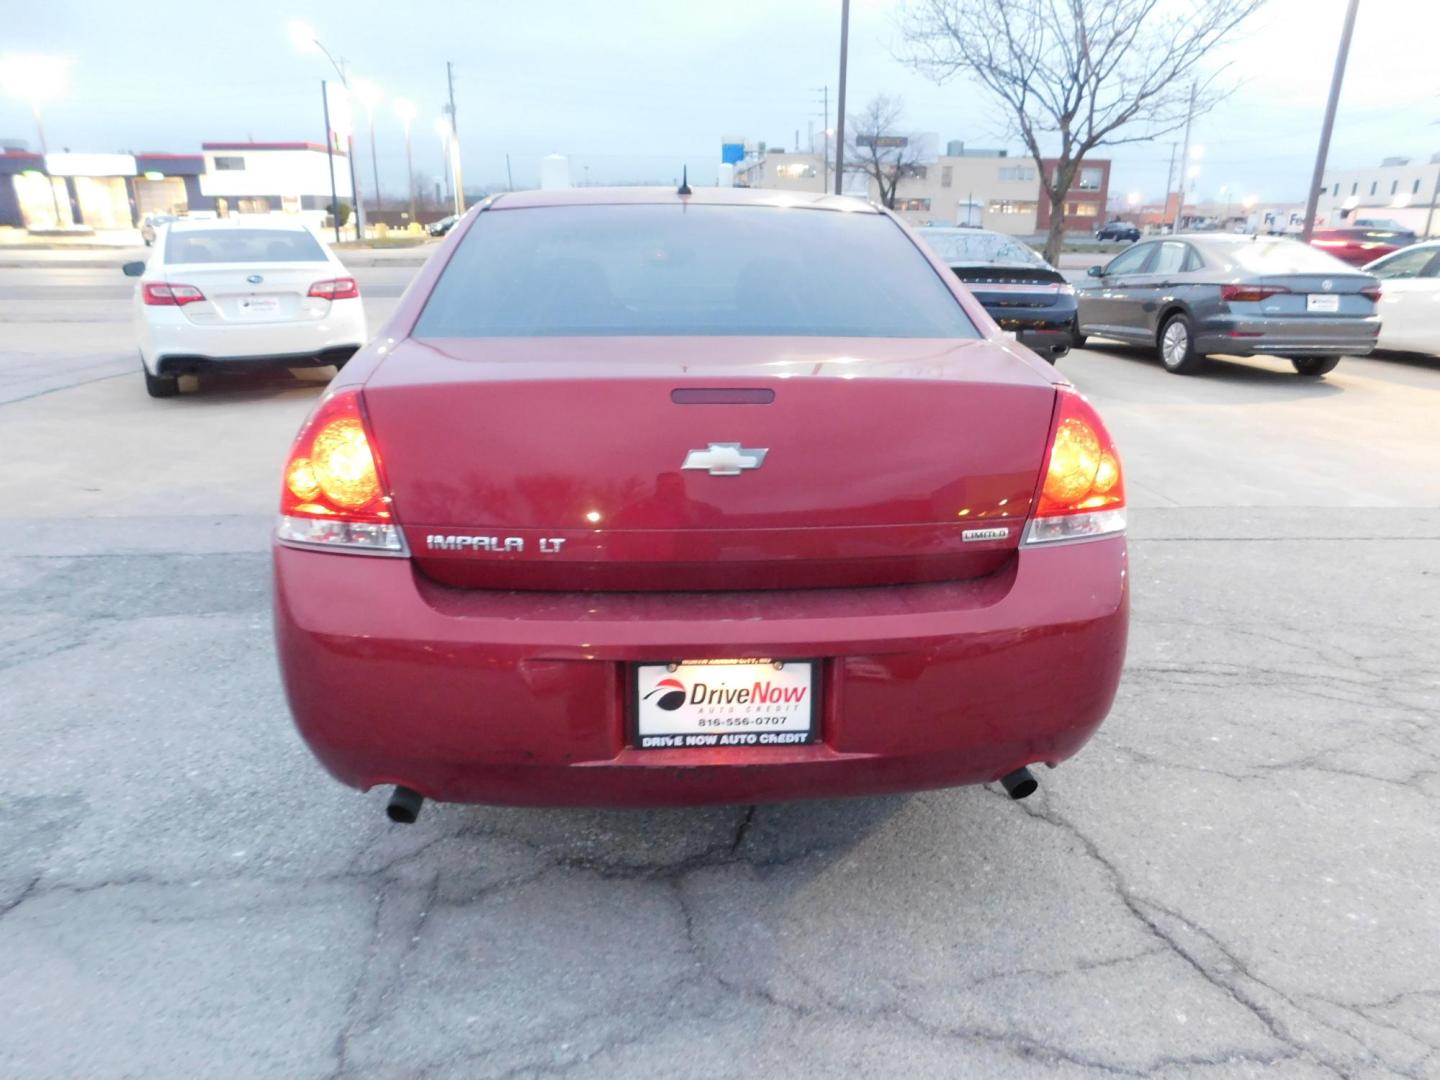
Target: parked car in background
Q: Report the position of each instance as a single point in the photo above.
(441, 227)
(1410, 298)
(1020, 290)
(652, 497)
(151, 223)
(242, 291)
(1192, 296)
(1358, 244)
(1118, 230)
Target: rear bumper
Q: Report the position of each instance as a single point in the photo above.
(1313, 336)
(170, 343)
(520, 698)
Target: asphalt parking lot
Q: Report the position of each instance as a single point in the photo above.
(1240, 876)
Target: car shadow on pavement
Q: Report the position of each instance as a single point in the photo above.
(648, 844)
(225, 387)
(1407, 359)
(1256, 381)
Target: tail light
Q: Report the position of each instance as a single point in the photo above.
(334, 492)
(163, 294)
(1250, 293)
(1083, 493)
(1372, 293)
(340, 288)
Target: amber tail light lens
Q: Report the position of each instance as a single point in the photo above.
(1083, 492)
(333, 493)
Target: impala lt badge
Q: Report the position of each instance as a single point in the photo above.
(725, 458)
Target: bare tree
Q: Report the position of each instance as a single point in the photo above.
(1075, 75)
(878, 148)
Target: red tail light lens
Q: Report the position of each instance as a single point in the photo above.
(164, 294)
(1372, 294)
(340, 288)
(1083, 492)
(334, 493)
(1250, 293)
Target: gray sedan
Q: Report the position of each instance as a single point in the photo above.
(1192, 296)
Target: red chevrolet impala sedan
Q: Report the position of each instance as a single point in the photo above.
(658, 497)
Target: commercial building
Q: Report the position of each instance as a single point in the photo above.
(1399, 188)
(983, 188)
(115, 191)
(1086, 200)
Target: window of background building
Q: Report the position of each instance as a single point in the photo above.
(1337, 191)
(1373, 185)
(1415, 188)
(1009, 206)
(1394, 186)
(912, 204)
(1355, 188)
(1086, 209)
(947, 174)
(1017, 172)
(231, 164)
(1090, 179)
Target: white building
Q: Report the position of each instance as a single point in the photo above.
(260, 177)
(987, 189)
(1398, 189)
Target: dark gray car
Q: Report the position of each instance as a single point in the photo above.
(1192, 296)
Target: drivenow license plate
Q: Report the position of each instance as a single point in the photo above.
(698, 703)
(1322, 302)
(259, 305)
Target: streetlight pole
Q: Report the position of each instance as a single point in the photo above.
(1312, 201)
(330, 155)
(840, 102)
(301, 35)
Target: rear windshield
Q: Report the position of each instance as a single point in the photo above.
(678, 269)
(242, 245)
(959, 247)
(1283, 257)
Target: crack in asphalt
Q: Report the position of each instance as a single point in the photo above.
(1272, 1023)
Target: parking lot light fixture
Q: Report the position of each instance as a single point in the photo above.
(36, 79)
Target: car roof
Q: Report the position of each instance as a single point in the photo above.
(962, 230)
(242, 221)
(709, 196)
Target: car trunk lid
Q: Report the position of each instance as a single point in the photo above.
(247, 294)
(708, 463)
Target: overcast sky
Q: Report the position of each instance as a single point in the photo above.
(634, 88)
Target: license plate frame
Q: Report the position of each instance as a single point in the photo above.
(723, 724)
(1322, 303)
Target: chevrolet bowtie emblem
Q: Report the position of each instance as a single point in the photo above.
(725, 458)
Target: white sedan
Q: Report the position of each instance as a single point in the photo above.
(242, 291)
(1409, 298)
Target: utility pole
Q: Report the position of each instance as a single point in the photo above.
(509, 177)
(840, 103)
(1184, 157)
(1312, 201)
(824, 91)
(455, 143)
(1434, 197)
(1170, 176)
(330, 154)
